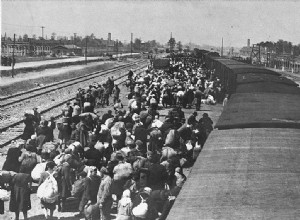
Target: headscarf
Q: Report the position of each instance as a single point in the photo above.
(125, 197)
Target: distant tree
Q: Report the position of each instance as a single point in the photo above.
(156, 50)
(53, 35)
(137, 44)
(34, 36)
(25, 37)
(172, 43)
(20, 38)
(92, 36)
(179, 45)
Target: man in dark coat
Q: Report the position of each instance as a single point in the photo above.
(29, 126)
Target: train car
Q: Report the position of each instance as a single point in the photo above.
(250, 173)
(249, 167)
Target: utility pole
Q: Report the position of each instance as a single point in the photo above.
(42, 41)
(74, 43)
(117, 48)
(86, 50)
(222, 48)
(13, 58)
(131, 44)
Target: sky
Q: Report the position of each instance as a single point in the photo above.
(200, 22)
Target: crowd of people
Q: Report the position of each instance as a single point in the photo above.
(128, 160)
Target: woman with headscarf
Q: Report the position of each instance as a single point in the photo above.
(28, 159)
(47, 205)
(29, 122)
(125, 206)
(12, 159)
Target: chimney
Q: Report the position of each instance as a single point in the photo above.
(248, 43)
(109, 37)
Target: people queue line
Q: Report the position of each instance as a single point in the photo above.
(127, 160)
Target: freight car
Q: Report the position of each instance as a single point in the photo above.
(249, 167)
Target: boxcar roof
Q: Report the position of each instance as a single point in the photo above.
(240, 69)
(263, 77)
(248, 110)
(267, 87)
(244, 174)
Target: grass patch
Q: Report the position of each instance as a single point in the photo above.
(48, 79)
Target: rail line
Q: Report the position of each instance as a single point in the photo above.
(22, 96)
(14, 130)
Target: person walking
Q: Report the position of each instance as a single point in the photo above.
(46, 205)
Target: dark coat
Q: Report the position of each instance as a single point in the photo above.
(12, 160)
(20, 193)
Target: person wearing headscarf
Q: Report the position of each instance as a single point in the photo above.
(125, 206)
(29, 122)
(44, 175)
(12, 159)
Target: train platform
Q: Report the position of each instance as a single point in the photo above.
(46, 62)
(36, 64)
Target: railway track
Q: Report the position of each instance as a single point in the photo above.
(14, 130)
(22, 96)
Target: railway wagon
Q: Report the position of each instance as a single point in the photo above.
(249, 167)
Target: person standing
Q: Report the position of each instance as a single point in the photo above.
(116, 92)
(198, 96)
(29, 122)
(125, 206)
(28, 159)
(12, 159)
(45, 205)
(104, 198)
(20, 195)
(37, 116)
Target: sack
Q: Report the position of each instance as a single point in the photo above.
(122, 171)
(49, 147)
(6, 176)
(101, 146)
(48, 191)
(109, 123)
(118, 130)
(29, 161)
(92, 211)
(78, 188)
(140, 211)
(172, 139)
(37, 171)
(4, 195)
(189, 145)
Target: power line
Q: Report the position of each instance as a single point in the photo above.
(19, 25)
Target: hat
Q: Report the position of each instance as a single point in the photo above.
(205, 114)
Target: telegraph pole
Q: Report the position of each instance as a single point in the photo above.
(13, 58)
(131, 44)
(117, 48)
(86, 50)
(222, 48)
(74, 43)
(42, 41)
